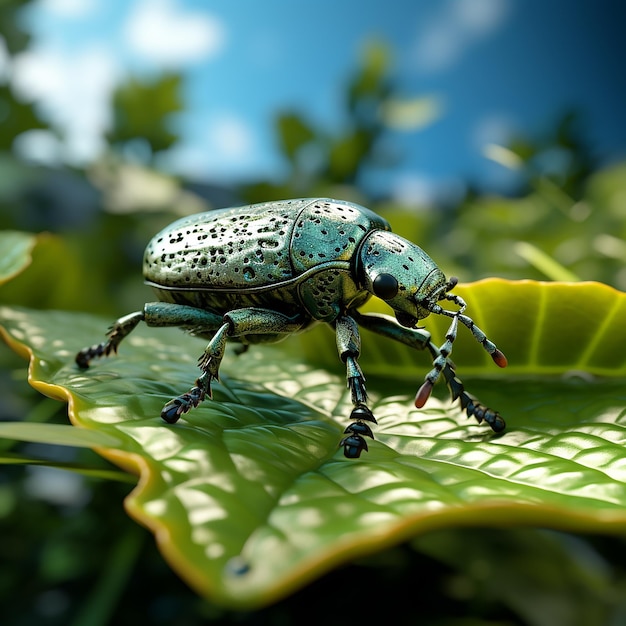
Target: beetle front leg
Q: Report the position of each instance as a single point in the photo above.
(349, 348)
(420, 339)
(469, 403)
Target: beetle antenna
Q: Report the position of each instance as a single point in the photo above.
(442, 363)
(497, 355)
(457, 390)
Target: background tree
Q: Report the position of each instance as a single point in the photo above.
(144, 113)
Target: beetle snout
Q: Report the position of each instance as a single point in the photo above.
(431, 290)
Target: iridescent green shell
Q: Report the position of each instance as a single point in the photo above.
(285, 255)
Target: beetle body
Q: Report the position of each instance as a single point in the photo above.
(260, 273)
(296, 257)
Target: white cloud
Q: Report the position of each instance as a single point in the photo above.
(414, 190)
(231, 137)
(68, 8)
(163, 32)
(73, 91)
(457, 25)
(480, 17)
(227, 148)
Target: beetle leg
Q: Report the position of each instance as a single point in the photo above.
(349, 348)
(469, 403)
(192, 319)
(442, 365)
(387, 326)
(498, 357)
(234, 324)
(209, 363)
(122, 327)
(196, 321)
(153, 314)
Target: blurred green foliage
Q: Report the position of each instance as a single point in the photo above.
(69, 553)
(143, 116)
(324, 163)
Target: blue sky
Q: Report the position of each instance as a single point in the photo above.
(493, 67)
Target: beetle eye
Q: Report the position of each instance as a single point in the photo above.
(385, 286)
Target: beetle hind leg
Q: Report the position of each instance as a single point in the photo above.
(120, 329)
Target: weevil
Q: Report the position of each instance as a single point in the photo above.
(259, 273)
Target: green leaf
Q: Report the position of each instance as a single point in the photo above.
(16, 253)
(7, 458)
(249, 496)
(542, 327)
(52, 271)
(17, 116)
(294, 133)
(143, 112)
(58, 434)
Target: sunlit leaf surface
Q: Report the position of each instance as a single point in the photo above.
(249, 496)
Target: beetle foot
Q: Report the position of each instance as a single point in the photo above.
(362, 412)
(353, 444)
(182, 404)
(85, 356)
(115, 334)
(482, 412)
(471, 406)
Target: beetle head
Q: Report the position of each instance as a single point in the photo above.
(401, 274)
